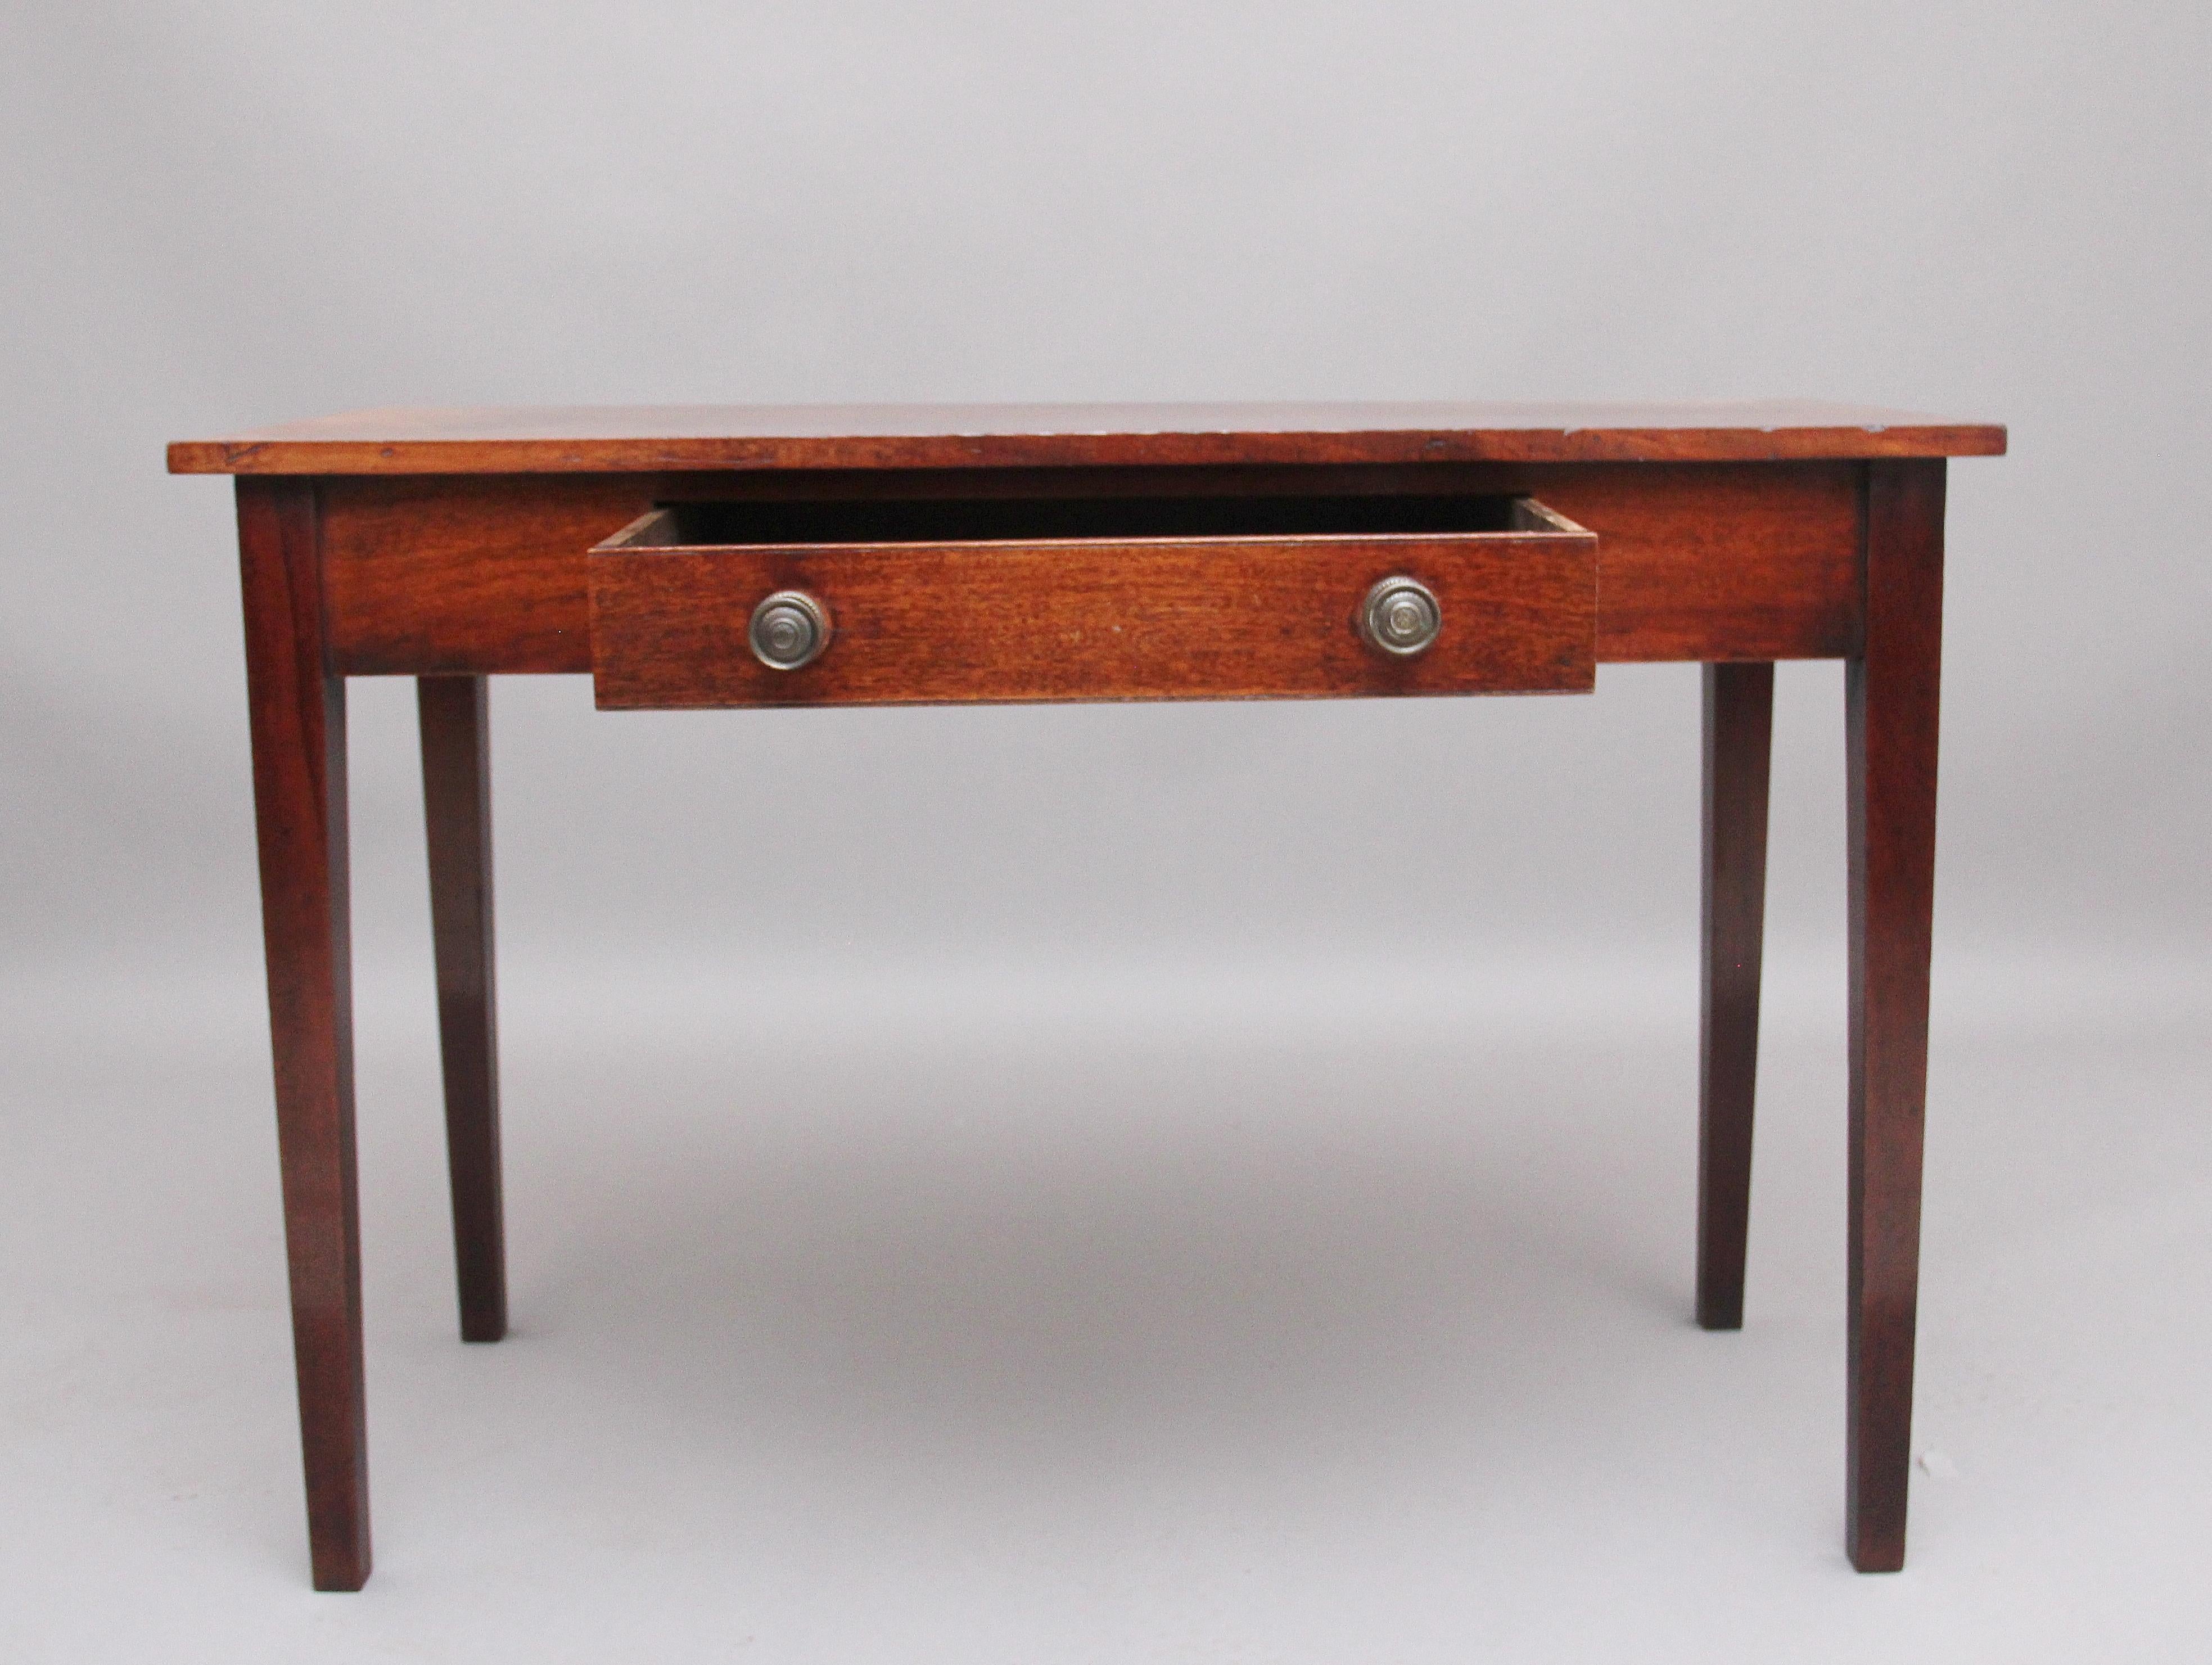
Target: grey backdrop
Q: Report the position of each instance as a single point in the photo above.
(748, 929)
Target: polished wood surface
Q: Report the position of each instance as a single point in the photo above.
(1096, 618)
(296, 709)
(453, 717)
(1891, 691)
(1739, 723)
(1696, 562)
(592, 440)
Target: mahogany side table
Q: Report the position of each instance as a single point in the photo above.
(730, 556)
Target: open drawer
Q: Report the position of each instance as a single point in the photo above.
(867, 603)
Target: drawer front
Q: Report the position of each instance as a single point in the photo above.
(1093, 619)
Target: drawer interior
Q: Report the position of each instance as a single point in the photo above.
(734, 524)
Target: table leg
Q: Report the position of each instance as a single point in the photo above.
(457, 810)
(1739, 729)
(1890, 722)
(297, 710)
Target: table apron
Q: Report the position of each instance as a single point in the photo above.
(432, 574)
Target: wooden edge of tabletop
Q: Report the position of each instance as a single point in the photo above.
(624, 441)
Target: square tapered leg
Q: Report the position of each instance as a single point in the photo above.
(1890, 723)
(457, 811)
(297, 710)
(1738, 741)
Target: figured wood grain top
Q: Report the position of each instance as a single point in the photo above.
(617, 438)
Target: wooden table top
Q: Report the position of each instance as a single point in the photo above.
(620, 439)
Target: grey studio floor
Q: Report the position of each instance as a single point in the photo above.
(1318, 1311)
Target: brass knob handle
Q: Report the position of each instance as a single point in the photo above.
(789, 629)
(1400, 617)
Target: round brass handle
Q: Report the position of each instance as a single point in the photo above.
(789, 629)
(1400, 617)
